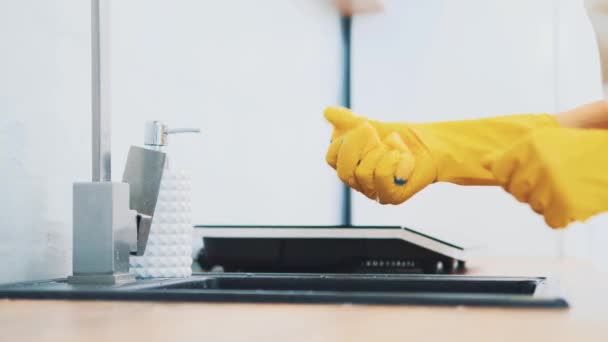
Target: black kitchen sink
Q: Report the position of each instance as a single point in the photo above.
(412, 289)
(361, 284)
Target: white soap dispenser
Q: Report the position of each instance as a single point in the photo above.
(169, 250)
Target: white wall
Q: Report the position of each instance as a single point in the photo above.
(253, 76)
(44, 132)
(444, 60)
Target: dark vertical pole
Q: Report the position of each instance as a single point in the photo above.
(346, 25)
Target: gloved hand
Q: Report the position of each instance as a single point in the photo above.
(390, 162)
(561, 173)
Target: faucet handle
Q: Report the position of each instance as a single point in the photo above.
(157, 131)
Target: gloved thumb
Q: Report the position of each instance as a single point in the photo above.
(343, 120)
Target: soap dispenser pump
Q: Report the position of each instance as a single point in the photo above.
(169, 248)
(157, 132)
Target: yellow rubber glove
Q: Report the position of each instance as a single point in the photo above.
(561, 172)
(390, 162)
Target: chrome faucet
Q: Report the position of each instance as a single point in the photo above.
(105, 228)
(112, 220)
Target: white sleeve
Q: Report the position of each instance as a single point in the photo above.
(598, 14)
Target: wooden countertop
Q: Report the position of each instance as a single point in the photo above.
(586, 320)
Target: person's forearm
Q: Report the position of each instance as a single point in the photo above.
(592, 115)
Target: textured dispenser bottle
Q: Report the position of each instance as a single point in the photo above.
(169, 249)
